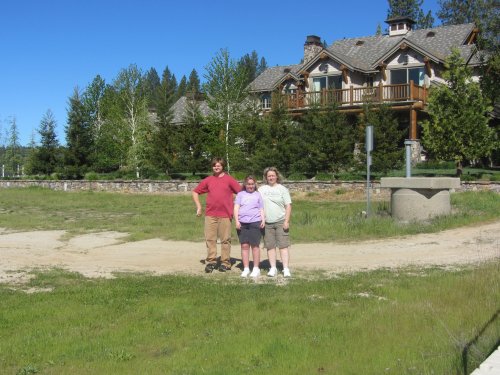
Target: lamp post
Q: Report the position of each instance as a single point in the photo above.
(369, 149)
(408, 144)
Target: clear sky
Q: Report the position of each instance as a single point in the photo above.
(49, 47)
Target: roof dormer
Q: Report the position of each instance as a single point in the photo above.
(399, 25)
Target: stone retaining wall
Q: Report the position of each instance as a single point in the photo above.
(176, 186)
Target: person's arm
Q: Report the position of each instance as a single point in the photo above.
(236, 219)
(262, 218)
(196, 199)
(288, 212)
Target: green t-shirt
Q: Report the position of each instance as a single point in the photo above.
(276, 198)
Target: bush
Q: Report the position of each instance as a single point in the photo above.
(324, 177)
(91, 176)
(436, 164)
(351, 176)
(240, 176)
(296, 177)
(55, 176)
(467, 177)
(163, 177)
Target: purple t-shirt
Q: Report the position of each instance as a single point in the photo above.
(250, 206)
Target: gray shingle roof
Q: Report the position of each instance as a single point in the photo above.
(271, 76)
(366, 53)
(179, 110)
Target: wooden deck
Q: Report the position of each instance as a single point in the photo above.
(352, 98)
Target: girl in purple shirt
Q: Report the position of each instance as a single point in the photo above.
(250, 220)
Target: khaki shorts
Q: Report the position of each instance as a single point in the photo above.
(275, 236)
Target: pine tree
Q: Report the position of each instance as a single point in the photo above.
(13, 157)
(250, 63)
(411, 9)
(484, 13)
(192, 139)
(182, 87)
(151, 84)
(193, 85)
(262, 66)
(164, 141)
(78, 138)
(47, 156)
(388, 137)
(328, 141)
(458, 126)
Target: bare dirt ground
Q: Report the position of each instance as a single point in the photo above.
(105, 253)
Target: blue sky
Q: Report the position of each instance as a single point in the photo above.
(49, 47)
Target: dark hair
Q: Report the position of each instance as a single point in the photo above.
(221, 161)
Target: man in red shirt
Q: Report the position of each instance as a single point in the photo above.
(220, 188)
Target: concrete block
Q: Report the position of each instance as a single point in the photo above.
(420, 198)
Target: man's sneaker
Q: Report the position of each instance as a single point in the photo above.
(224, 268)
(210, 267)
(272, 272)
(286, 272)
(255, 272)
(245, 272)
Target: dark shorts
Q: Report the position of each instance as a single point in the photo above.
(275, 236)
(250, 233)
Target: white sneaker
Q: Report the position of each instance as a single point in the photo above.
(272, 272)
(255, 272)
(245, 272)
(286, 272)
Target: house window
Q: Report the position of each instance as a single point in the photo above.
(265, 101)
(402, 76)
(369, 81)
(327, 82)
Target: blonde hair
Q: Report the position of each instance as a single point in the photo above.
(279, 177)
(248, 178)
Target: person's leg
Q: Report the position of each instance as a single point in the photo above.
(270, 244)
(285, 259)
(224, 234)
(271, 255)
(283, 242)
(211, 224)
(245, 255)
(256, 256)
(256, 261)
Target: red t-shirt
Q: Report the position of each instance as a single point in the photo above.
(220, 195)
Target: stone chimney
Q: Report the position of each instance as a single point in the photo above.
(312, 47)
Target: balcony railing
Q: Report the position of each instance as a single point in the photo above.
(352, 96)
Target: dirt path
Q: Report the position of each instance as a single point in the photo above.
(101, 254)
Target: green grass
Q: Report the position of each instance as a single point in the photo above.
(410, 321)
(315, 217)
